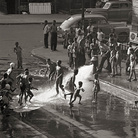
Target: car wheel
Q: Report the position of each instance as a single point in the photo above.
(123, 37)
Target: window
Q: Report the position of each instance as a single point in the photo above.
(102, 22)
(107, 5)
(124, 5)
(115, 6)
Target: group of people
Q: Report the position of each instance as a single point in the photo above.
(8, 86)
(53, 30)
(93, 43)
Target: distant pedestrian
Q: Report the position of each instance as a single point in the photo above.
(96, 86)
(53, 30)
(118, 60)
(128, 59)
(46, 33)
(81, 52)
(18, 51)
(112, 38)
(100, 35)
(113, 60)
(75, 53)
(70, 53)
(77, 93)
(87, 47)
(65, 41)
(132, 66)
(59, 76)
(70, 85)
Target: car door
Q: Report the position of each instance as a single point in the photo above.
(125, 9)
(114, 12)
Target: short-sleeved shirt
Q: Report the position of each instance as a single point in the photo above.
(46, 29)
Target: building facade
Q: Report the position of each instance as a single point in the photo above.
(68, 6)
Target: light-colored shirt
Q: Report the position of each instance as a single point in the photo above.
(100, 36)
(46, 29)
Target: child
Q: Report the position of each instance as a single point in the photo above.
(77, 92)
(70, 53)
(70, 85)
(28, 89)
(118, 59)
(132, 66)
(6, 97)
(96, 87)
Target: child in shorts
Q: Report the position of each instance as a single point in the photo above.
(96, 86)
(28, 89)
(77, 93)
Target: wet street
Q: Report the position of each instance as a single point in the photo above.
(49, 115)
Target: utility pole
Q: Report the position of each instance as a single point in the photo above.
(83, 13)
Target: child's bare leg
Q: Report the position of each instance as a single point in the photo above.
(73, 100)
(71, 97)
(80, 97)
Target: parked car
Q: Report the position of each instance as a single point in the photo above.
(114, 11)
(99, 21)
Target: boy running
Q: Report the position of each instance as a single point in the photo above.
(28, 89)
(71, 85)
(77, 93)
(23, 82)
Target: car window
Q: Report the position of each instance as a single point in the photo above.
(124, 5)
(115, 6)
(107, 5)
(102, 22)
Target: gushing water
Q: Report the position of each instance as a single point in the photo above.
(48, 94)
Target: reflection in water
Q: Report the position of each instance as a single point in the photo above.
(7, 127)
(94, 113)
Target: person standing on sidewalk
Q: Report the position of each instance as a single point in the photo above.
(53, 30)
(59, 76)
(46, 32)
(132, 66)
(18, 51)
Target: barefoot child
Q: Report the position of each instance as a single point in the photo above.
(28, 89)
(77, 93)
(96, 87)
(70, 85)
